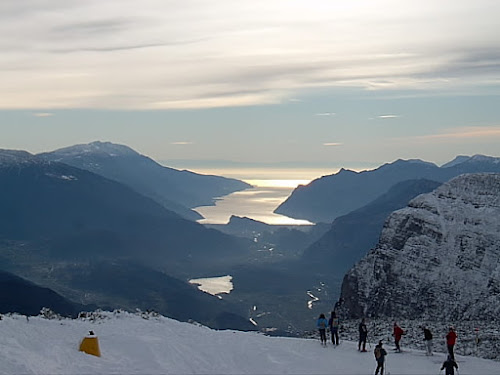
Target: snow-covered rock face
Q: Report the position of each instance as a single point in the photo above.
(438, 258)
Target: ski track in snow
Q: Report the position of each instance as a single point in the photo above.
(130, 344)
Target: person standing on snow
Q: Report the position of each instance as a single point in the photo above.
(427, 340)
(322, 324)
(333, 323)
(363, 334)
(398, 333)
(450, 365)
(451, 339)
(380, 354)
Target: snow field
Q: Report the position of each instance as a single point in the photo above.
(131, 344)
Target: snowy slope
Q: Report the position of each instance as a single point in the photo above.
(131, 344)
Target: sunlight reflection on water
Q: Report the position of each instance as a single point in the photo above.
(257, 203)
(270, 187)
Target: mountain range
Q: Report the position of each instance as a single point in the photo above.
(324, 263)
(84, 215)
(176, 190)
(329, 197)
(65, 228)
(108, 239)
(318, 269)
(351, 236)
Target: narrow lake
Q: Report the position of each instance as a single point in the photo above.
(270, 189)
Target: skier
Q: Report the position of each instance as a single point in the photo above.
(427, 340)
(449, 365)
(333, 323)
(363, 333)
(380, 354)
(322, 323)
(398, 332)
(451, 338)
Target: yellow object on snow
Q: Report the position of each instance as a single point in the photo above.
(90, 345)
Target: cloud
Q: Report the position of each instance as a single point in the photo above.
(325, 114)
(329, 144)
(463, 133)
(387, 116)
(43, 114)
(195, 54)
(470, 134)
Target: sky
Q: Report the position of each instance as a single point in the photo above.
(250, 83)
(130, 344)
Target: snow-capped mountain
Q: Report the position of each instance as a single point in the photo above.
(97, 147)
(437, 258)
(176, 190)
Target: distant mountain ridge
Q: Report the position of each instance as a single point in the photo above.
(328, 197)
(438, 258)
(58, 221)
(176, 190)
(42, 199)
(15, 157)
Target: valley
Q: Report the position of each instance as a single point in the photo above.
(100, 243)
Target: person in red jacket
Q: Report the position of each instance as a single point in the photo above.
(451, 339)
(398, 332)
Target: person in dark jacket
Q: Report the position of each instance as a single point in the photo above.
(333, 323)
(380, 354)
(451, 339)
(322, 324)
(363, 334)
(450, 365)
(427, 340)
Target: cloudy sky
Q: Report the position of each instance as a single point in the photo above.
(261, 81)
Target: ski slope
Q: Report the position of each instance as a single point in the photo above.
(131, 344)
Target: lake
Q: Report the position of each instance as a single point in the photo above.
(270, 188)
(214, 285)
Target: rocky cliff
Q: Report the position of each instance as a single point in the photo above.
(438, 258)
